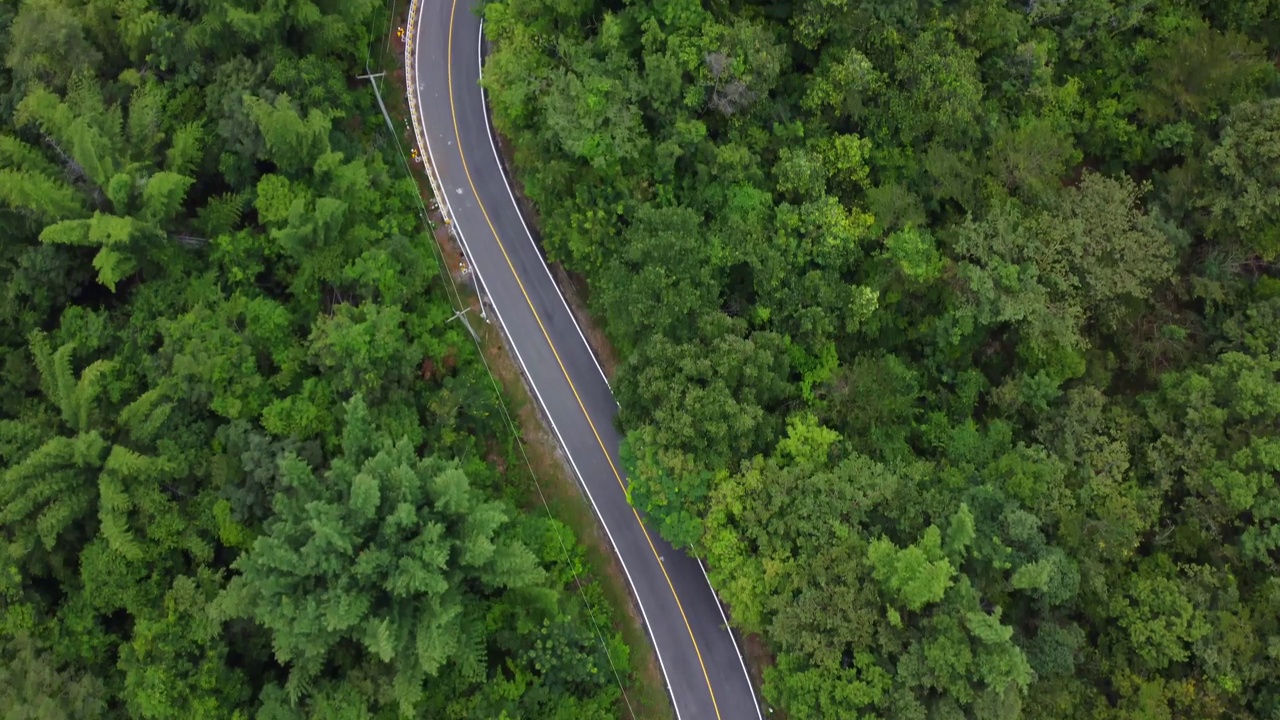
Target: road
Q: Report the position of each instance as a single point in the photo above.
(699, 657)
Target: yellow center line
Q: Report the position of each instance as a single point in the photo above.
(618, 476)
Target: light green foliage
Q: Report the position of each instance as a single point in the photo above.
(383, 550)
(199, 266)
(988, 431)
(294, 142)
(1158, 616)
(806, 440)
(915, 253)
(34, 191)
(139, 203)
(1242, 193)
(916, 575)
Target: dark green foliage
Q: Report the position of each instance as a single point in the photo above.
(947, 331)
(35, 689)
(245, 465)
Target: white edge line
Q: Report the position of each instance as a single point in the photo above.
(503, 172)
(581, 481)
(729, 629)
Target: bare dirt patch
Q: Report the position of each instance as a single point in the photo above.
(645, 690)
(572, 285)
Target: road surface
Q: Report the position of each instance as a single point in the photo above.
(699, 657)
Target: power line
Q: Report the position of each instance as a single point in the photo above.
(461, 306)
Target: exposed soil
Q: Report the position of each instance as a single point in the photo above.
(646, 695)
(575, 290)
(572, 285)
(758, 658)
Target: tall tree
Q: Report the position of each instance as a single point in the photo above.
(385, 550)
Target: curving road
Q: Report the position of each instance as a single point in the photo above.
(700, 660)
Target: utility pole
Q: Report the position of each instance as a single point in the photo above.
(391, 127)
(462, 315)
(373, 80)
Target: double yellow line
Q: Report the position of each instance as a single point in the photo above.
(618, 476)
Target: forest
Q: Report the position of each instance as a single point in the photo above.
(950, 331)
(247, 468)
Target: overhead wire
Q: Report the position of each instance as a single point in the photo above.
(460, 305)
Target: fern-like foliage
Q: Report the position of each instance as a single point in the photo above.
(114, 236)
(49, 485)
(17, 155)
(138, 22)
(221, 214)
(294, 142)
(113, 266)
(383, 551)
(45, 110)
(163, 196)
(47, 198)
(129, 484)
(61, 481)
(73, 397)
(146, 119)
(144, 418)
(470, 656)
(136, 201)
(183, 155)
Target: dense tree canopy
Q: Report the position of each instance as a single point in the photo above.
(246, 469)
(948, 331)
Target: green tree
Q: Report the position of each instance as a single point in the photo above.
(671, 487)
(1241, 194)
(713, 404)
(34, 687)
(176, 662)
(48, 44)
(666, 276)
(96, 464)
(385, 550)
(366, 350)
(137, 200)
(1202, 71)
(916, 575)
(941, 93)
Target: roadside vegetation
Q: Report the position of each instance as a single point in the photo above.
(950, 332)
(248, 469)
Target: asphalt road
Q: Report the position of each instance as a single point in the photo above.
(699, 656)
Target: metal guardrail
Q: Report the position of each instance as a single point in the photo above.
(411, 96)
(423, 149)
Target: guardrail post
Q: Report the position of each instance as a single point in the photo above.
(411, 96)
